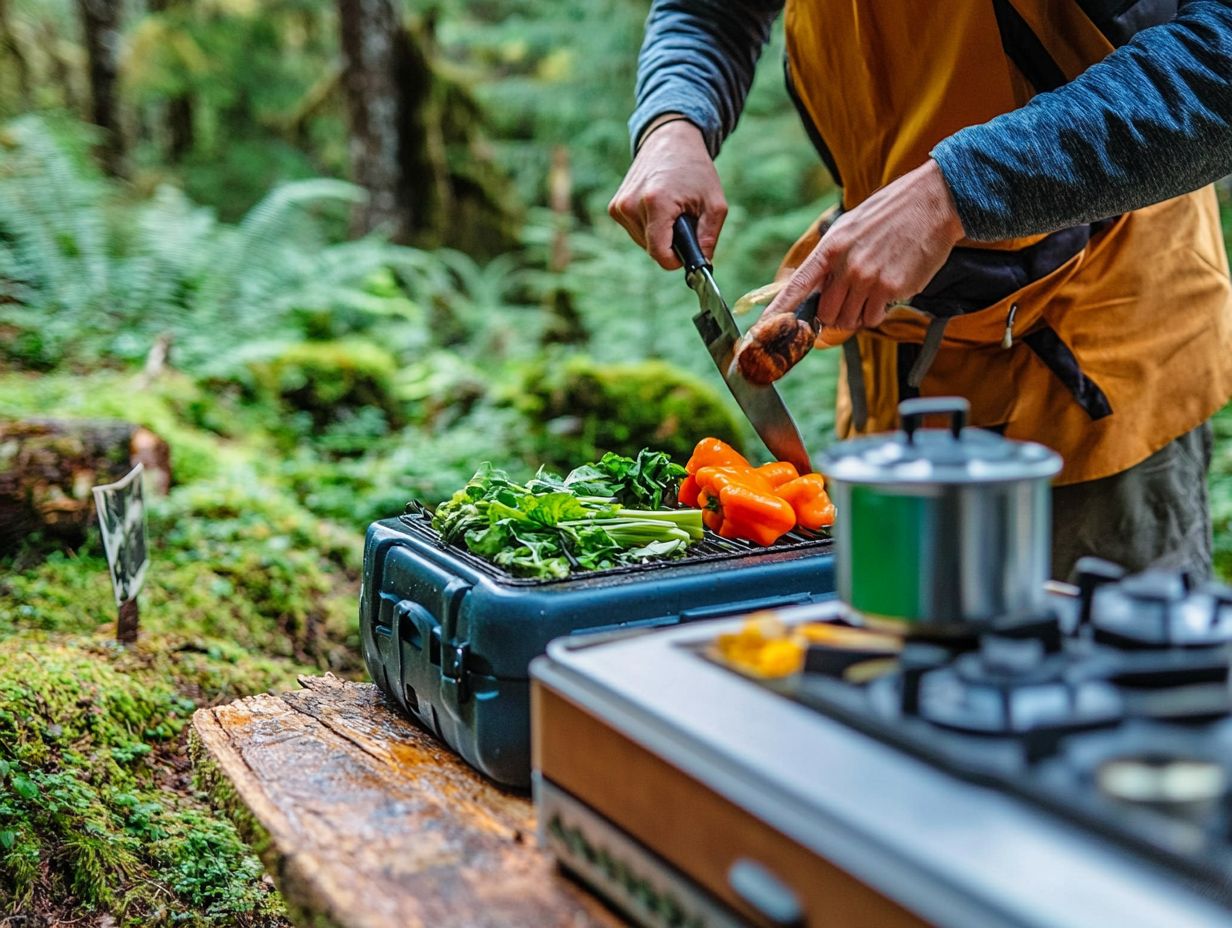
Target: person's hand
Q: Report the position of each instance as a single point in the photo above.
(883, 252)
(672, 174)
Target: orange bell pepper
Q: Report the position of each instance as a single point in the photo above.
(756, 516)
(739, 503)
(720, 477)
(777, 473)
(712, 510)
(711, 452)
(809, 500)
(686, 495)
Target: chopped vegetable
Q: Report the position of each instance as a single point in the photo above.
(763, 647)
(711, 452)
(759, 511)
(777, 473)
(549, 526)
(741, 504)
(808, 498)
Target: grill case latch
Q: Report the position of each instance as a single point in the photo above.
(454, 685)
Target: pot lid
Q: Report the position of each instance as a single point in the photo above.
(937, 456)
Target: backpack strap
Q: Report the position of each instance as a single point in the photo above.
(1117, 20)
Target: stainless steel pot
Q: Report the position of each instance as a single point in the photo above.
(941, 530)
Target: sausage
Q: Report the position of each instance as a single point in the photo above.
(773, 347)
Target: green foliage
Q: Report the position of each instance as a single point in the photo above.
(578, 409)
(340, 392)
(187, 416)
(80, 277)
(201, 859)
(250, 70)
(87, 731)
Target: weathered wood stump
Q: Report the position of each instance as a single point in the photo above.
(49, 466)
(366, 821)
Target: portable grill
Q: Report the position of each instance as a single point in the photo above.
(449, 636)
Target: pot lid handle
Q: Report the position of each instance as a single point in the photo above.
(912, 413)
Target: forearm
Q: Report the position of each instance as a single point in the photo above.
(1151, 121)
(698, 59)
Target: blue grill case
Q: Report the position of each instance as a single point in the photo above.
(449, 637)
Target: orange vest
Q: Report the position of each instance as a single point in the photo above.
(1114, 353)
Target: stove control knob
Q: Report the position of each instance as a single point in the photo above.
(1089, 574)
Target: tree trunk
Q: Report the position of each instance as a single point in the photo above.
(372, 41)
(179, 128)
(415, 140)
(180, 108)
(61, 72)
(49, 466)
(12, 47)
(100, 21)
(564, 325)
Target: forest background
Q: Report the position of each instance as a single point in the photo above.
(335, 254)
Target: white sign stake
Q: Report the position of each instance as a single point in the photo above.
(121, 517)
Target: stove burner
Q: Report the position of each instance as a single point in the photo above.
(1161, 609)
(1006, 692)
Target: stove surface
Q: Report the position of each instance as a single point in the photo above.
(1073, 768)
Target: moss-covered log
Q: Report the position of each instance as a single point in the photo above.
(49, 466)
(366, 821)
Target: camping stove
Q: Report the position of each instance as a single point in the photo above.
(1072, 768)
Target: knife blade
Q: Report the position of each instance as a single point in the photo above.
(762, 405)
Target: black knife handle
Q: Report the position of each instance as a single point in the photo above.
(807, 311)
(684, 243)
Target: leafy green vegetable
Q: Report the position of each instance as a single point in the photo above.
(648, 481)
(549, 526)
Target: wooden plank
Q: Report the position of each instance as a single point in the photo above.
(366, 821)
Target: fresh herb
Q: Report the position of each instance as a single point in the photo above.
(549, 527)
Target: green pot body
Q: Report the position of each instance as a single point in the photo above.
(940, 557)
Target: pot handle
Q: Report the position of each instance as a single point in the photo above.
(912, 413)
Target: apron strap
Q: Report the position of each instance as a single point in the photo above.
(855, 383)
(1060, 359)
(928, 351)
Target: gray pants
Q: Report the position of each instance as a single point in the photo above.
(1156, 514)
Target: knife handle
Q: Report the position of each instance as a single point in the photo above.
(684, 243)
(806, 312)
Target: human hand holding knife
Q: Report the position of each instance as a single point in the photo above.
(761, 403)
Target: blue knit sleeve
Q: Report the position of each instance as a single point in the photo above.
(1151, 121)
(698, 59)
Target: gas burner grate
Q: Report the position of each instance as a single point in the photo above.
(712, 548)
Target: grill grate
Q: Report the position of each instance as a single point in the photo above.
(712, 547)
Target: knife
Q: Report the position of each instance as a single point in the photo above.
(762, 406)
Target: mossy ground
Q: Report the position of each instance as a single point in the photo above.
(253, 578)
(246, 589)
